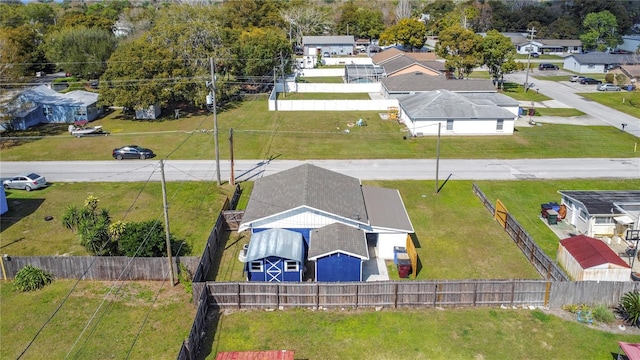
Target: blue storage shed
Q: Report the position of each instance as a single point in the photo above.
(275, 255)
(338, 251)
(4, 207)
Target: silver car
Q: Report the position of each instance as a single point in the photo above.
(608, 87)
(25, 182)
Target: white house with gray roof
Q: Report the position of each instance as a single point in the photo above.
(455, 114)
(525, 45)
(306, 198)
(332, 45)
(598, 62)
(414, 83)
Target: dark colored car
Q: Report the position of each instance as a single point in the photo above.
(547, 66)
(132, 152)
(590, 81)
(535, 54)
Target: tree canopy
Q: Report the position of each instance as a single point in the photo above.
(410, 33)
(461, 48)
(601, 31)
(498, 54)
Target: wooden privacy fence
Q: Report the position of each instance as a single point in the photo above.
(388, 294)
(191, 346)
(540, 261)
(99, 267)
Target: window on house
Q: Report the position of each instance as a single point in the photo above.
(256, 266)
(291, 266)
(604, 220)
(583, 215)
(450, 124)
(81, 111)
(47, 110)
(500, 125)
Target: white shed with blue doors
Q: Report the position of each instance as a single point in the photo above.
(338, 251)
(275, 255)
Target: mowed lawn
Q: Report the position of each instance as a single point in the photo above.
(260, 134)
(485, 333)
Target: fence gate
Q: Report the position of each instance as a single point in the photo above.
(501, 213)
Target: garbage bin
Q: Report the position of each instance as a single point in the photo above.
(404, 268)
(552, 217)
(398, 250)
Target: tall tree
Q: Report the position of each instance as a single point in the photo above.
(461, 48)
(498, 54)
(410, 33)
(359, 21)
(601, 31)
(305, 21)
(261, 51)
(80, 51)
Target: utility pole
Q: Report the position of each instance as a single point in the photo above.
(166, 223)
(284, 85)
(232, 178)
(437, 158)
(526, 79)
(215, 118)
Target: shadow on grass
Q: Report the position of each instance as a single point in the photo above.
(18, 209)
(212, 322)
(13, 138)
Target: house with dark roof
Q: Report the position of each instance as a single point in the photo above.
(432, 113)
(599, 213)
(307, 198)
(338, 252)
(396, 62)
(588, 259)
(597, 62)
(414, 83)
(42, 105)
(332, 45)
(275, 255)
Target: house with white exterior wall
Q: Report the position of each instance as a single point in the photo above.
(597, 62)
(332, 45)
(454, 114)
(525, 45)
(599, 213)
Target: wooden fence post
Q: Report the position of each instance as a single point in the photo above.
(238, 292)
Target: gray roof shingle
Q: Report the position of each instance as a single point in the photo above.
(337, 238)
(43, 95)
(328, 40)
(439, 104)
(423, 82)
(386, 209)
(605, 59)
(306, 185)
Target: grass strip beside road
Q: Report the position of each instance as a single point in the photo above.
(627, 102)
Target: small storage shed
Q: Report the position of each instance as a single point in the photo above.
(586, 258)
(338, 251)
(275, 255)
(4, 207)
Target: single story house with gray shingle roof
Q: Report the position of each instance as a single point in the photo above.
(425, 112)
(597, 62)
(598, 213)
(338, 252)
(307, 197)
(543, 46)
(414, 83)
(334, 45)
(275, 255)
(407, 65)
(42, 105)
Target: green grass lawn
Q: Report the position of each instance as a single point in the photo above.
(260, 134)
(563, 112)
(517, 92)
(625, 101)
(413, 334)
(193, 209)
(322, 79)
(136, 320)
(323, 96)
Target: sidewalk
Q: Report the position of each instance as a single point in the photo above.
(583, 120)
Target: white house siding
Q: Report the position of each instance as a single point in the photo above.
(573, 216)
(322, 72)
(337, 88)
(460, 127)
(331, 105)
(302, 219)
(386, 242)
(571, 64)
(599, 230)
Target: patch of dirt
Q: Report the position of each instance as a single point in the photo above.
(134, 293)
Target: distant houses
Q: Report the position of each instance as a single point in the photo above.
(598, 62)
(524, 44)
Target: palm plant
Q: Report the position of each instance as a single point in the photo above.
(629, 308)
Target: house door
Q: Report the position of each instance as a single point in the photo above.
(274, 270)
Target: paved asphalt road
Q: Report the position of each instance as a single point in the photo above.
(411, 169)
(565, 92)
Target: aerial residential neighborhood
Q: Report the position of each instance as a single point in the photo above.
(318, 179)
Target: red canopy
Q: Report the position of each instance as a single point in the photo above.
(256, 355)
(631, 350)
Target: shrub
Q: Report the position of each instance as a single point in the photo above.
(31, 278)
(603, 314)
(621, 79)
(609, 78)
(185, 277)
(629, 308)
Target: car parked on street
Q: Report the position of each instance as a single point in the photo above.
(548, 66)
(25, 182)
(132, 152)
(590, 81)
(535, 54)
(608, 87)
(576, 78)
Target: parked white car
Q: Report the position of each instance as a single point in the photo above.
(25, 182)
(576, 78)
(608, 87)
